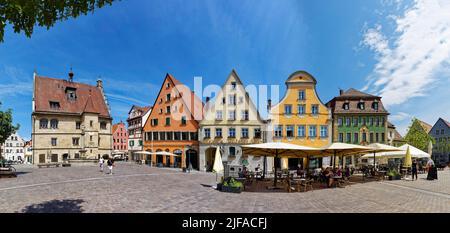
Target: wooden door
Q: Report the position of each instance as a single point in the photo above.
(42, 158)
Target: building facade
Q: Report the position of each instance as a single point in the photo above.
(70, 120)
(301, 117)
(28, 150)
(358, 118)
(172, 126)
(137, 116)
(120, 137)
(13, 148)
(394, 138)
(230, 121)
(441, 134)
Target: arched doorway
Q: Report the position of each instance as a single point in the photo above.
(148, 158)
(192, 159)
(177, 159)
(210, 154)
(159, 158)
(167, 158)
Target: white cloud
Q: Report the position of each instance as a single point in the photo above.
(419, 50)
(400, 116)
(125, 99)
(14, 82)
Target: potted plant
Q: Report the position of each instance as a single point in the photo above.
(394, 175)
(231, 185)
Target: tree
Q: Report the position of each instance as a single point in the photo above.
(417, 136)
(6, 126)
(25, 14)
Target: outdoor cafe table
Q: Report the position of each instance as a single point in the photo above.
(381, 174)
(298, 182)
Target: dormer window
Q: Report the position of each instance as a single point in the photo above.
(361, 105)
(375, 105)
(346, 106)
(54, 105)
(71, 93)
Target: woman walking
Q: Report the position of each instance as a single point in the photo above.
(101, 162)
(414, 169)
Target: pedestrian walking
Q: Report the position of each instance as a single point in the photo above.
(110, 165)
(432, 171)
(101, 161)
(414, 169)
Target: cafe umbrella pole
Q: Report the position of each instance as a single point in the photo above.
(264, 167)
(275, 179)
(334, 159)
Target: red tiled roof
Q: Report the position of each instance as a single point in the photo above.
(114, 127)
(397, 135)
(355, 93)
(89, 98)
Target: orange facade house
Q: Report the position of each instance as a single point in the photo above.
(173, 126)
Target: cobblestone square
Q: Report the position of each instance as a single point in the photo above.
(139, 188)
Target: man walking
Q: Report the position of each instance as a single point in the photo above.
(110, 165)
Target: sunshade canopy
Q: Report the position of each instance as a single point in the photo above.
(283, 149)
(415, 153)
(340, 148)
(378, 147)
(218, 164)
(144, 152)
(156, 153)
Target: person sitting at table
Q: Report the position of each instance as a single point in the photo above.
(328, 173)
(338, 172)
(347, 172)
(244, 171)
(257, 170)
(299, 170)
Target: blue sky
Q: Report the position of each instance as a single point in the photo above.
(377, 46)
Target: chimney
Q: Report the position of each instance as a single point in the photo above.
(70, 75)
(341, 91)
(269, 104)
(99, 83)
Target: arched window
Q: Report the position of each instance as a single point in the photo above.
(54, 123)
(43, 123)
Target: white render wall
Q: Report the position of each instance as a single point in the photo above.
(13, 149)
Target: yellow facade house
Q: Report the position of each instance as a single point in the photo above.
(300, 117)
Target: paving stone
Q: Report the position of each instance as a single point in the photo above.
(139, 188)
